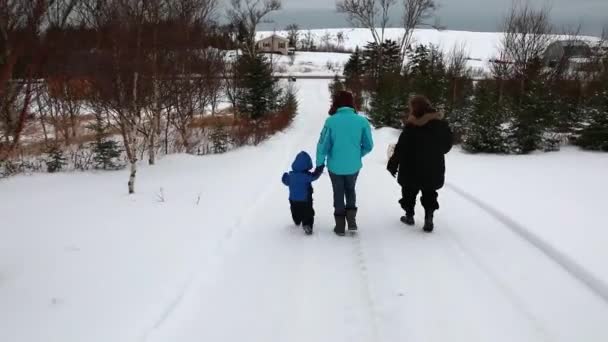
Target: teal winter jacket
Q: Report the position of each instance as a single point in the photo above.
(345, 139)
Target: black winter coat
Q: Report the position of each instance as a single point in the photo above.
(419, 154)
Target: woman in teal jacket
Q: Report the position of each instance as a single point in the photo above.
(346, 138)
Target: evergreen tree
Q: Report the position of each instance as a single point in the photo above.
(534, 112)
(381, 67)
(485, 131)
(388, 102)
(595, 135)
(289, 102)
(353, 76)
(258, 94)
(106, 155)
(220, 139)
(106, 151)
(532, 115)
(335, 86)
(426, 70)
(56, 161)
(381, 60)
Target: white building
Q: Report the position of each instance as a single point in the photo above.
(274, 44)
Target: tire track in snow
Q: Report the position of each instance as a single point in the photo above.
(517, 301)
(363, 272)
(593, 283)
(262, 196)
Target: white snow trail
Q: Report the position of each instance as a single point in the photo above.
(219, 260)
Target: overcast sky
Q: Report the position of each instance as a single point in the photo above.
(474, 15)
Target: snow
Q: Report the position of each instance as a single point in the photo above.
(325, 64)
(213, 255)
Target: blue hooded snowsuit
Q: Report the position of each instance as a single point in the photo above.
(299, 181)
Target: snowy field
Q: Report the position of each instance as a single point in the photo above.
(481, 46)
(205, 251)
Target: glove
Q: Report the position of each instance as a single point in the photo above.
(319, 169)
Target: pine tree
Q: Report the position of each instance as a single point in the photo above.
(220, 139)
(388, 102)
(106, 155)
(289, 102)
(381, 66)
(595, 136)
(56, 161)
(485, 131)
(258, 94)
(534, 112)
(353, 76)
(106, 151)
(532, 115)
(335, 86)
(381, 60)
(426, 70)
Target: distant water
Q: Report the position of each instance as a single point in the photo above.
(451, 18)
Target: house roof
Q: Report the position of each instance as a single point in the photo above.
(274, 36)
(570, 42)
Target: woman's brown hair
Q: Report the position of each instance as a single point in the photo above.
(342, 99)
(420, 105)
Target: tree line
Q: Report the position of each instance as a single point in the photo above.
(522, 105)
(125, 80)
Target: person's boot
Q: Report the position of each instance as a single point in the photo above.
(408, 219)
(428, 222)
(340, 225)
(308, 230)
(351, 219)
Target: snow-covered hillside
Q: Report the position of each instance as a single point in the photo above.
(206, 251)
(481, 46)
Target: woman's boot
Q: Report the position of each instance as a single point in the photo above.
(428, 222)
(351, 219)
(340, 225)
(408, 219)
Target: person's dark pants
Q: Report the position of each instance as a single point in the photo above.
(428, 200)
(302, 213)
(345, 197)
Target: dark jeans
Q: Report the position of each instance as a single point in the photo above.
(302, 213)
(344, 189)
(428, 199)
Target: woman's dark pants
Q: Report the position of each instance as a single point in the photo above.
(345, 197)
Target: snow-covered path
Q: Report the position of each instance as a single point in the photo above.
(217, 259)
(473, 280)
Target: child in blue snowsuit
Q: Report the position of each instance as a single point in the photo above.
(299, 181)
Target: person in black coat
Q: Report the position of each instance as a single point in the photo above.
(419, 159)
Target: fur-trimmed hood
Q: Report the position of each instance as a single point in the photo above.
(423, 120)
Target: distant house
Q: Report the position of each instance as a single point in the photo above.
(572, 52)
(274, 44)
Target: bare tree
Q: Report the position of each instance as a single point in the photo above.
(248, 14)
(21, 23)
(375, 16)
(326, 41)
(371, 14)
(60, 12)
(415, 14)
(60, 104)
(526, 36)
(293, 34)
(340, 38)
